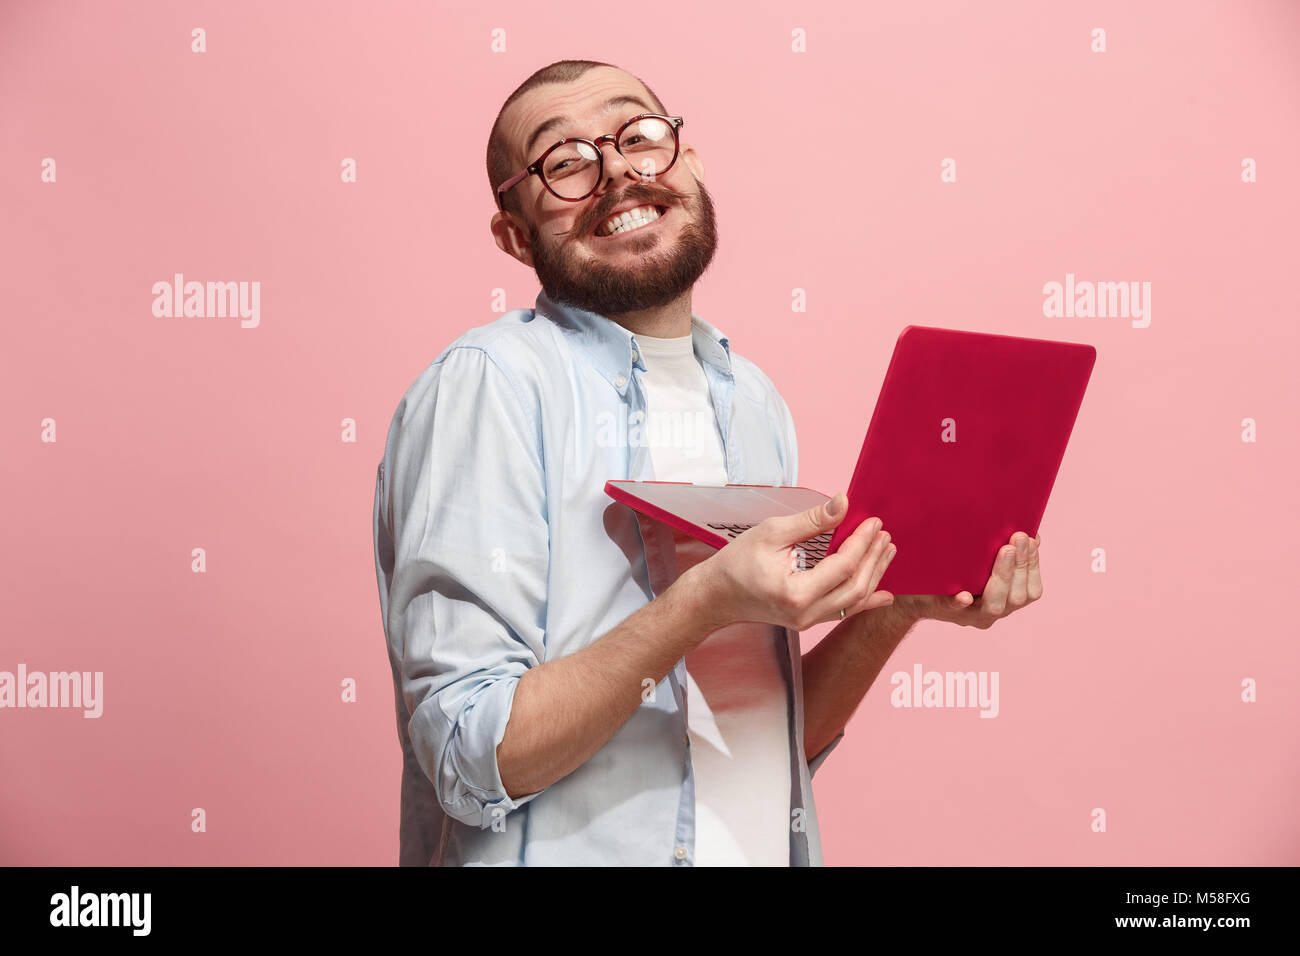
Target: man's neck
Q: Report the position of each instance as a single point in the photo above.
(669, 321)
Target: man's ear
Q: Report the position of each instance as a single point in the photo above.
(511, 237)
(693, 162)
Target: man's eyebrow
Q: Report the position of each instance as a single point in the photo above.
(558, 121)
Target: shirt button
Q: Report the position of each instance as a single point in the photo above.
(680, 853)
(621, 381)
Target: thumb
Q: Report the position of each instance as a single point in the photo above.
(808, 524)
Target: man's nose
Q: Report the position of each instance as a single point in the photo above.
(616, 165)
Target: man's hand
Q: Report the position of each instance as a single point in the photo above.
(758, 576)
(1014, 583)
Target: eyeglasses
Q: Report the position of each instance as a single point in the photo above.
(573, 167)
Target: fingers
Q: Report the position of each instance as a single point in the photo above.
(859, 586)
(835, 569)
(855, 587)
(1016, 579)
(1034, 586)
(882, 565)
(1019, 594)
(791, 529)
(998, 589)
(875, 598)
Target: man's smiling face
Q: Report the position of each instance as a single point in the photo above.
(566, 242)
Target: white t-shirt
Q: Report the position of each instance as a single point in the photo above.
(737, 699)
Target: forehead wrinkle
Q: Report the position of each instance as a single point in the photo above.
(559, 122)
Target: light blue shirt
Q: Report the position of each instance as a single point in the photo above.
(497, 549)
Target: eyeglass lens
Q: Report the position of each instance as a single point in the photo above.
(649, 145)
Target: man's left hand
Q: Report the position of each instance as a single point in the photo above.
(1014, 583)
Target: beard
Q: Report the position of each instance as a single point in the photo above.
(656, 277)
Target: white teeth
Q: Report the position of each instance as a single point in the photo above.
(632, 219)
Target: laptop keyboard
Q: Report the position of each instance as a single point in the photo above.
(814, 548)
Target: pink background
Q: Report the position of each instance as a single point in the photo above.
(222, 690)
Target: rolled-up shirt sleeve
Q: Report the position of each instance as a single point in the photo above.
(464, 495)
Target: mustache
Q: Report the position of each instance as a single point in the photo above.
(664, 196)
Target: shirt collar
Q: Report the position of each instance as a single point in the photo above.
(611, 349)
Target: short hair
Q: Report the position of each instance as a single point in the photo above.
(500, 161)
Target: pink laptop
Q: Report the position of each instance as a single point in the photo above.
(961, 451)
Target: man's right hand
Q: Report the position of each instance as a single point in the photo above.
(757, 576)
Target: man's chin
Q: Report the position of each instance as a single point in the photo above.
(606, 281)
